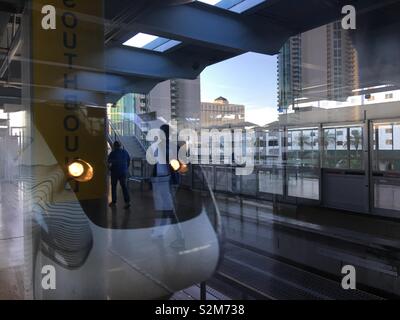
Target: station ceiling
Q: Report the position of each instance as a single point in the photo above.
(203, 35)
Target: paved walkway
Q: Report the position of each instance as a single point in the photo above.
(11, 242)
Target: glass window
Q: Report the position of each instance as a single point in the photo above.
(387, 146)
(343, 148)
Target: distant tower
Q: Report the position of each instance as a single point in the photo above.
(289, 72)
(320, 64)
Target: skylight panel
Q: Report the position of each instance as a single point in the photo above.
(167, 45)
(140, 40)
(211, 2)
(151, 42)
(245, 5)
(237, 6)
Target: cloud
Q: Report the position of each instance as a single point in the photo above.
(261, 115)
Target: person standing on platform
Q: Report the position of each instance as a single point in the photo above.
(119, 161)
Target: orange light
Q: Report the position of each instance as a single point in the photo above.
(80, 170)
(184, 168)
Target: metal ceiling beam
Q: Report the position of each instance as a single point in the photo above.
(132, 62)
(154, 65)
(211, 26)
(263, 29)
(11, 6)
(88, 86)
(301, 16)
(130, 70)
(15, 44)
(4, 19)
(98, 83)
(10, 95)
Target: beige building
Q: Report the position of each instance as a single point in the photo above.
(221, 112)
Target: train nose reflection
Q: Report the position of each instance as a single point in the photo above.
(165, 242)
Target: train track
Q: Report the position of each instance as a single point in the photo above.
(261, 276)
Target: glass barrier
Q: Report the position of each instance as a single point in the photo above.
(343, 148)
(386, 147)
(285, 157)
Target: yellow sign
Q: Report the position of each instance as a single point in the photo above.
(68, 111)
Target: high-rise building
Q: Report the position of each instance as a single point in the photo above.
(221, 112)
(177, 100)
(328, 73)
(289, 72)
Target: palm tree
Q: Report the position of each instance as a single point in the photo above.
(329, 137)
(356, 139)
(303, 140)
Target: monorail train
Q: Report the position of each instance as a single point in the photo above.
(167, 241)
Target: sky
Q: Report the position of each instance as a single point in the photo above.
(249, 79)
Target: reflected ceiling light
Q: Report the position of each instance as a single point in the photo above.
(211, 2)
(80, 170)
(237, 6)
(372, 88)
(140, 40)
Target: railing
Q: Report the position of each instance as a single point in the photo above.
(142, 141)
(265, 182)
(112, 134)
(141, 136)
(128, 128)
(140, 168)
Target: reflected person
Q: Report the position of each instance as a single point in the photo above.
(165, 183)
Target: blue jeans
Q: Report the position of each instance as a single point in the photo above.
(122, 181)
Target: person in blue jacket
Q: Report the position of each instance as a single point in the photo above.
(119, 161)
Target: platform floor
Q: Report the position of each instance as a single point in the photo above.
(148, 208)
(297, 254)
(194, 293)
(11, 242)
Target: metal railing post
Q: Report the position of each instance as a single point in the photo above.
(203, 291)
